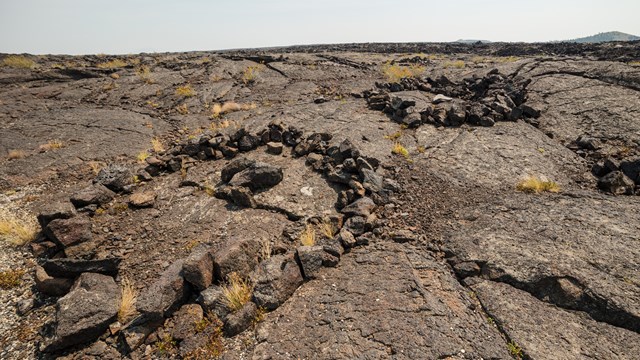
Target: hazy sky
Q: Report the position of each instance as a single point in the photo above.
(117, 26)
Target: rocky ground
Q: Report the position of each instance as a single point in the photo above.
(370, 197)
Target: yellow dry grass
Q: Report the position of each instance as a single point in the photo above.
(249, 74)
(265, 250)
(394, 73)
(458, 64)
(51, 145)
(217, 110)
(157, 145)
(399, 149)
(142, 156)
(308, 236)
(113, 64)
(237, 292)
(16, 154)
(182, 109)
(128, 297)
(533, 184)
(185, 91)
(10, 279)
(16, 230)
(18, 62)
(96, 166)
(327, 229)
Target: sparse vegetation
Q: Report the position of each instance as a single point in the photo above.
(421, 149)
(213, 348)
(327, 229)
(51, 145)
(96, 166)
(515, 350)
(128, 298)
(119, 208)
(634, 63)
(217, 110)
(261, 314)
(395, 73)
(16, 154)
(185, 91)
(249, 74)
(265, 249)
(10, 279)
(166, 345)
(142, 156)
(18, 62)
(191, 244)
(395, 136)
(217, 125)
(182, 109)
(113, 64)
(458, 64)
(399, 149)
(208, 188)
(15, 230)
(144, 73)
(157, 145)
(507, 59)
(237, 292)
(533, 184)
(308, 236)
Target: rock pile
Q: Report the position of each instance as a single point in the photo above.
(194, 286)
(618, 177)
(477, 101)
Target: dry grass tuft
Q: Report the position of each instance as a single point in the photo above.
(208, 188)
(533, 184)
(157, 145)
(113, 64)
(144, 73)
(398, 149)
(18, 62)
(16, 154)
(395, 136)
(308, 236)
(249, 74)
(16, 230)
(217, 110)
(458, 64)
(51, 145)
(185, 91)
(218, 125)
(327, 229)
(265, 250)
(10, 279)
(129, 295)
(96, 166)
(237, 292)
(395, 73)
(507, 59)
(142, 156)
(182, 109)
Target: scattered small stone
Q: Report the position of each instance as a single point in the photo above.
(142, 199)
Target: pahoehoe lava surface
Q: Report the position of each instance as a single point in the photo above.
(371, 216)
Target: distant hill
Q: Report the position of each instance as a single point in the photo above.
(464, 41)
(606, 36)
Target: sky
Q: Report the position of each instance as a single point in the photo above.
(133, 26)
